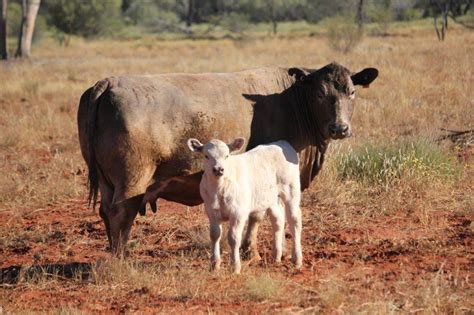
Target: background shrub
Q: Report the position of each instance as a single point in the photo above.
(343, 34)
(86, 18)
(388, 163)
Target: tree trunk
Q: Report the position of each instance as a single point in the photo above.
(29, 12)
(190, 13)
(445, 15)
(360, 14)
(436, 27)
(273, 16)
(443, 28)
(22, 29)
(3, 30)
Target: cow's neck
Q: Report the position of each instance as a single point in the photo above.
(303, 130)
(289, 116)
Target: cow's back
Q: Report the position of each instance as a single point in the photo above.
(135, 127)
(161, 112)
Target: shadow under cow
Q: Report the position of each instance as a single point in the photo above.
(74, 270)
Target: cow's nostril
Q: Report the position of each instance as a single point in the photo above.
(344, 127)
(333, 129)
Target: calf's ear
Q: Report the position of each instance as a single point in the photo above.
(236, 145)
(365, 77)
(194, 145)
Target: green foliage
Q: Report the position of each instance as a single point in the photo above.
(91, 18)
(87, 18)
(317, 11)
(151, 14)
(388, 163)
(14, 19)
(343, 34)
(236, 23)
(383, 16)
(41, 27)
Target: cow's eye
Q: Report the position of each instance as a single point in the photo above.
(353, 92)
(207, 158)
(227, 156)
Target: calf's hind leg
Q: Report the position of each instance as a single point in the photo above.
(277, 216)
(249, 244)
(293, 216)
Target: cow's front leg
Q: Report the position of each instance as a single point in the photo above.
(249, 244)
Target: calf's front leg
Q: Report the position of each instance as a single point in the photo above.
(215, 231)
(234, 237)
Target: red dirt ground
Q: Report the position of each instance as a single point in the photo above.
(376, 252)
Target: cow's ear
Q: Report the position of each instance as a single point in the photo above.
(236, 145)
(300, 75)
(194, 145)
(365, 77)
(297, 73)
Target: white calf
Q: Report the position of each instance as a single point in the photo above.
(234, 187)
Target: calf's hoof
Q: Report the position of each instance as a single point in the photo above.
(251, 254)
(236, 270)
(298, 265)
(215, 266)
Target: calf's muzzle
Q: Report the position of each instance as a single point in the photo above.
(218, 171)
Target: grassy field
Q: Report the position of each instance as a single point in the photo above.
(387, 224)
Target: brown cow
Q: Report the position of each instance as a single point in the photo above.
(133, 130)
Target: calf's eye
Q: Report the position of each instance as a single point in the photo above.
(207, 158)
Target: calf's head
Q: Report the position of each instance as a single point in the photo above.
(331, 96)
(216, 153)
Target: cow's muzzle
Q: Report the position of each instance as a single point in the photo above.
(339, 131)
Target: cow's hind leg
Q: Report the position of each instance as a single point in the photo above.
(121, 217)
(127, 200)
(107, 195)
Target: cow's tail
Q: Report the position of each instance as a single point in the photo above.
(91, 127)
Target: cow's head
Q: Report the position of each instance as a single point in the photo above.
(332, 93)
(215, 154)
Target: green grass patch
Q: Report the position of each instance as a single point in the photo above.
(388, 163)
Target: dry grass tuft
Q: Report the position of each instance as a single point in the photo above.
(264, 287)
